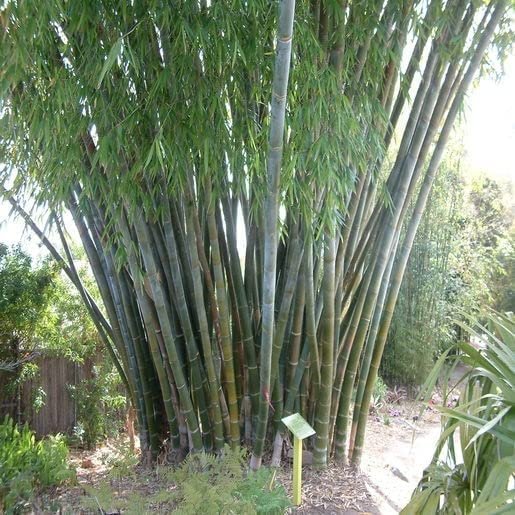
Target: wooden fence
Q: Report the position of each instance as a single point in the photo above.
(59, 412)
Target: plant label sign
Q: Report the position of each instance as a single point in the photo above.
(300, 429)
(298, 426)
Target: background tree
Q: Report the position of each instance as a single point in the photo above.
(65, 329)
(24, 295)
(422, 323)
(160, 129)
(503, 281)
(459, 264)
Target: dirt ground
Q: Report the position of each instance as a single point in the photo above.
(397, 452)
(398, 446)
(396, 455)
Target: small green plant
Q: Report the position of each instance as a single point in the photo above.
(27, 465)
(378, 395)
(203, 483)
(259, 489)
(100, 407)
(122, 462)
(136, 504)
(380, 389)
(212, 484)
(100, 498)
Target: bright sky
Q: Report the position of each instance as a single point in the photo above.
(488, 136)
(489, 125)
(14, 232)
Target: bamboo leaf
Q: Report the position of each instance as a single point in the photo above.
(113, 55)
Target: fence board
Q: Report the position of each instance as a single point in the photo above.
(59, 413)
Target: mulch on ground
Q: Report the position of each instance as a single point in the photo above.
(334, 490)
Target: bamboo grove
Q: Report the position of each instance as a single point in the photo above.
(247, 200)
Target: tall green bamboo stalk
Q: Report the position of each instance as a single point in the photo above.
(275, 154)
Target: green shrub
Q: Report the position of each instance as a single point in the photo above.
(380, 389)
(27, 465)
(121, 463)
(378, 395)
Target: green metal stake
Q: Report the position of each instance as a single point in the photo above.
(300, 429)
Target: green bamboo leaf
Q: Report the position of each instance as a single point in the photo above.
(159, 153)
(150, 155)
(133, 60)
(114, 53)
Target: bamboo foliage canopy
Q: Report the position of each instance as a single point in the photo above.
(246, 180)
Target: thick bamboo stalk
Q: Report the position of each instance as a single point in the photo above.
(338, 421)
(291, 269)
(198, 378)
(275, 151)
(242, 309)
(414, 63)
(225, 331)
(322, 415)
(296, 333)
(166, 328)
(214, 385)
(406, 170)
(311, 333)
(370, 343)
